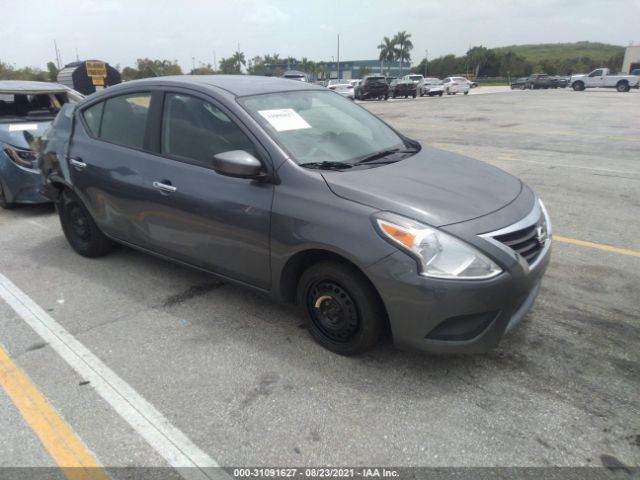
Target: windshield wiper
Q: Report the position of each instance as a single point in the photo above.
(326, 165)
(382, 154)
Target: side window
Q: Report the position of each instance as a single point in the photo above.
(197, 130)
(125, 118)
(92, 117)
(596, 73)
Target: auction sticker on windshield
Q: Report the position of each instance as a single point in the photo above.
(284, 119)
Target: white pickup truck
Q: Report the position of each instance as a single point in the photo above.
(601, 78)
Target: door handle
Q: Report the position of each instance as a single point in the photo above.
(78, 164)
(164, 188)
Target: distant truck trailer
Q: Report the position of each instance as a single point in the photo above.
(89, 76)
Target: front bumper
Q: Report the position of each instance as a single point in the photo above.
(452, 316)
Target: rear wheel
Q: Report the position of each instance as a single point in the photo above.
(4, 203)
(467, 92)
(441, 93)
(344, 313)
(623, 86)
(81, 231)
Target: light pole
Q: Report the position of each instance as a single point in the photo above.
(338, 56)
(426, 61)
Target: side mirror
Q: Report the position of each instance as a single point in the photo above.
(238, 163)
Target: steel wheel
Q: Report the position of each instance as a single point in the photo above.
(333, 311)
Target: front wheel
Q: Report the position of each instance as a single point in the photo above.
(441, 93)
(344, 313)
(578, 86)
(81, 231)
(467, 92)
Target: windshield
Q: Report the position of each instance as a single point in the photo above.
(316, 126)
(415, 77)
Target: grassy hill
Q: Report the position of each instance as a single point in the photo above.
(564, 51)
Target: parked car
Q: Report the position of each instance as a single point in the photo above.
(520, 83)
(403, 88)
(432, 87)
(343, 87)
(389, 79)
(561, 82)
(602, 78)
(295, 192)
(296, 75)
(453, 85)
(472, 84)
(372, 86)
(417, 79)
(541, 80)
(26, 111)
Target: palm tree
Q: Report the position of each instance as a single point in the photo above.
(387, 52)
(402, 39)
(239, 61)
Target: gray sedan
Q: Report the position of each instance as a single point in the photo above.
(26, 111)
(298, 193)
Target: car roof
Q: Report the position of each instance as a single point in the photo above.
(238, 85)
(28, 86)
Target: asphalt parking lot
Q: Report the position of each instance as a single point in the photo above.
(245, 383)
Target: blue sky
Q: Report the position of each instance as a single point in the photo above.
(119, 31)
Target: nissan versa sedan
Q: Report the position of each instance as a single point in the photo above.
(294, 191)
(26, 111)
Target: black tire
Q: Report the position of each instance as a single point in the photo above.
(623, 86)
(386, 97)
(81, 231)
(4, 203)
(414, 95)
(344, 313)
(467, 92)
(441, 93)
(578, 86)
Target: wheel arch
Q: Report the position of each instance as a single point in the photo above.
(296, 265)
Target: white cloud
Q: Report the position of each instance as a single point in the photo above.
(267, 15)
(100, 6)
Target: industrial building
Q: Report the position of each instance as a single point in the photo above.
(631, 59)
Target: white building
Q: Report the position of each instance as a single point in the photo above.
(631, 59)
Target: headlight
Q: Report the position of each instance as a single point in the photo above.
(438, 254)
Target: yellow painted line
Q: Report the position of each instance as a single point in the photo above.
(66, 449)
(599, 246)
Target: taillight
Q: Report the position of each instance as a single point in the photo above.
(23, 158)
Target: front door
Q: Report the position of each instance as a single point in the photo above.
(196, 215)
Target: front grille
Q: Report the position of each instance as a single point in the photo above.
(528, 241)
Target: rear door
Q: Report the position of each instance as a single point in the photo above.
(107, 156)
(193, 214)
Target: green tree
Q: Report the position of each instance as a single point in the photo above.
(155, 68)
(53, 72)
(233, 65)
(404, 47)
(203, 70)
(477, 57)
(387, 53)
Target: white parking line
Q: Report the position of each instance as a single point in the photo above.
(170, 443)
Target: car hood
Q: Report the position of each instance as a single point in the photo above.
(433, 186)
